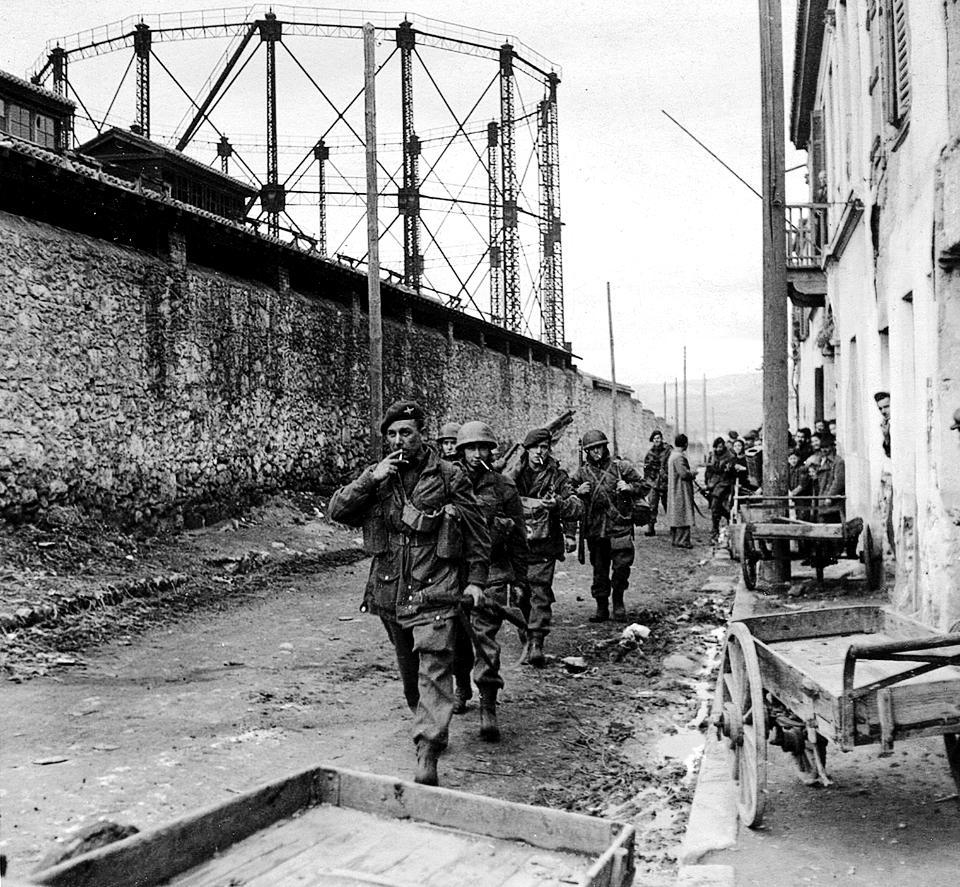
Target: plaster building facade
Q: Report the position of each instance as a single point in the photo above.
(876, 103)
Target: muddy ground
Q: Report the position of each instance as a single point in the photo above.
(161, 675)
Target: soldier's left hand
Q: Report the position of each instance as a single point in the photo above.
(476, 592)
(623, 486)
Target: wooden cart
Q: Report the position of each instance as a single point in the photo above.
(849, 675)
(763, 520)
(328, 827)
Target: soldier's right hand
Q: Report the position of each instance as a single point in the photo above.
(583, 489)
(388, 465)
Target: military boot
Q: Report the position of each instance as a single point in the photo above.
(489, 728)
(427, 755)
(619, 611)
(535, 650)
(603, 611)
(460, 698)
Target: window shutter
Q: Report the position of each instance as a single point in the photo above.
(898, 62)
(901, 51)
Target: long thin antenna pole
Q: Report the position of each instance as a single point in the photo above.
(373, 240)
(714, 156)
(613, 372)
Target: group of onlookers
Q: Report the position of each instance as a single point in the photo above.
(815, 473)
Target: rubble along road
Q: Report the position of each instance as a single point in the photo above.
(275, 670)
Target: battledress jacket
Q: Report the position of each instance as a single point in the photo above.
(551, 480)
(500, 504)
(655, 466)
(408, 578)
(609, 512)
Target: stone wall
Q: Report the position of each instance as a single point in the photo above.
(150, 391)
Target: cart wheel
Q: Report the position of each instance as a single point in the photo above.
(872, 560)
(739, 716)
(748, 558)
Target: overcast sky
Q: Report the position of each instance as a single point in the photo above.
(675, 234)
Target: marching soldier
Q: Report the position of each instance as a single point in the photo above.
(500, 503)
(655, 473)
(607, 488)
(408, 505)
(447, 441)
(548, 503)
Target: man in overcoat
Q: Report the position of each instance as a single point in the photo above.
(549, 504)
(500, 504)
(408, 503)
(680, 506)
(607, 487)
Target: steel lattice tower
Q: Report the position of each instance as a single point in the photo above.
(321, 154)
(551, 259)
(273, 193)
(408, 202)
(496, 223)
(512, 311)
(58, 63)
(141, 48)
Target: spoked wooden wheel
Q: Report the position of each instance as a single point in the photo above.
(749, 555)
(739, 717)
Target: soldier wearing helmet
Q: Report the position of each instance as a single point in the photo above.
(549, 503)
(447, 441)
(607, 487)
(415, 584)
(500, 504)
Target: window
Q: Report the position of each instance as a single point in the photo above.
(897, 58)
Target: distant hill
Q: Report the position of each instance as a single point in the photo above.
(734, 401)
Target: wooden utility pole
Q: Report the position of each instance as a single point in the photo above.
(613, 372)
(664, 401)
(706, 431)
(373, 241)
(775, 320)
(685, 426)
(676, 406)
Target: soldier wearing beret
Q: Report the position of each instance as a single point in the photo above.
(412, 505)
(549, 502)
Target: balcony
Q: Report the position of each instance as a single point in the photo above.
(807, 238)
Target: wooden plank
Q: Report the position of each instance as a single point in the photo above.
(825, 622)
(324, 829)
(157, 855)
(814, 532)
(537, 826)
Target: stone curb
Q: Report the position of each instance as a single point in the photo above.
(713, 819)
(112, 595)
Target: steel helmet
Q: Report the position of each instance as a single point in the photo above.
(449, 431)
(593, 438)
(475, 433)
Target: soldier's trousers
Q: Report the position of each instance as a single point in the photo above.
(656, 498)
(486, 625)
(611, 567)
(539, 610)
(425, 657)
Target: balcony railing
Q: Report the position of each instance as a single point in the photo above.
(807, 235)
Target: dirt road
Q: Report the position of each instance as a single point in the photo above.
(283, 673)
